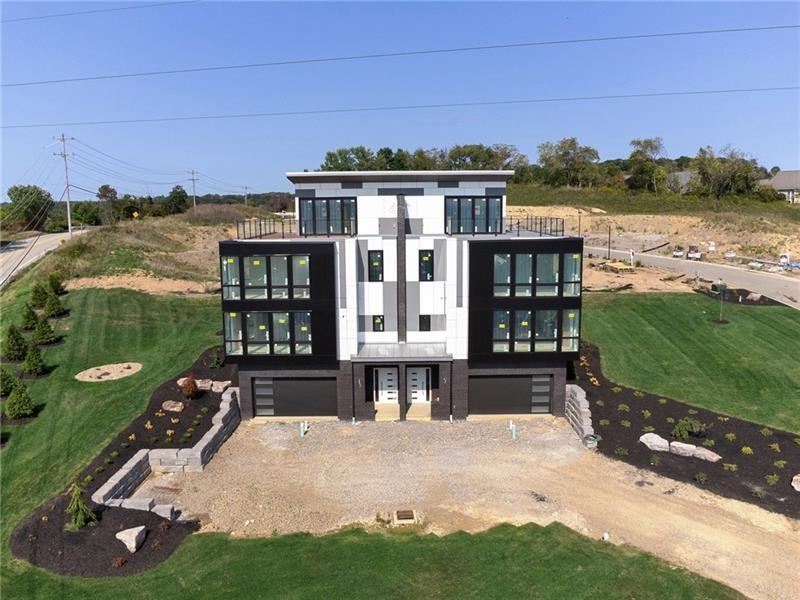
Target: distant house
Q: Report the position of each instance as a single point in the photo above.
(787, 183)
(679, 181)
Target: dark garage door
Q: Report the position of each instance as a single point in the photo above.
(295, 397)
(517, 394)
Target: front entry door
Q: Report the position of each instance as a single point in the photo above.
(386, 385)
(418, 385)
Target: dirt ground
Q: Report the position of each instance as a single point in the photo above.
(142, 282)
(744, 235)
(109, 372)
(643, 279)
(471, 476)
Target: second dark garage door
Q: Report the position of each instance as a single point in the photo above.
(510, 394)
(294, 397)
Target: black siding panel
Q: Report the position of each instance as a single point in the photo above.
(305, 397)
(499, 395)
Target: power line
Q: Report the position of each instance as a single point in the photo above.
(98, 10)
(427, 52)
(124, 162)
(366, 109)
(108, 172)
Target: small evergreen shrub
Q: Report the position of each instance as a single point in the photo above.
(620, 451)
(216, 359)
(53, 307)
(7, 382)
(39, 295)
(19, 404)
(14, 346)
(79, 512)
(56, 284)
(29, 317)
(43, 334)
(686, 427)
(701, 478)
(655, 460)
(33, 365)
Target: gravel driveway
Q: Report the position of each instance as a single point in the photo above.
(470, 476)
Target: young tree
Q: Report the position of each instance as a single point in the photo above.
(33, 364)
(43, 334)
(566, 162)
(646, 174)
(56, 284)
(39, 295)
(30, 204)
(19, 403)
(29, 318)
(729, 173)
(14, 346)
(7, 382)
(178, 200)
(79, 512)
(53, 307)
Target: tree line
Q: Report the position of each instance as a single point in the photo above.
(567, 162)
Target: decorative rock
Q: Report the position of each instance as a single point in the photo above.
(753, 297)
(682, 449)
(181, 381)
(706, 454)
(655, 442)
(204, 385)
(166, 511)
(173, 406)
(132, 538)
(796, 482)
(220, 386)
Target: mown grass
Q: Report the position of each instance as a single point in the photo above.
(666, 344)
(623, 202)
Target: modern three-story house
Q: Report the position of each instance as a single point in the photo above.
(401, 294)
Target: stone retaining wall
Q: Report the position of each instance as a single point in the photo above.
(577, 412)
(119, 487)
(164, 460)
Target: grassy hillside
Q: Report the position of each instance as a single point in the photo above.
(622, 202)
(666, 344)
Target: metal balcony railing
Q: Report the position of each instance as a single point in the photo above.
(276, 227)
(550, 226)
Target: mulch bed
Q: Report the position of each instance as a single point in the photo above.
(747, 483)
(89, 552)
(739, 296)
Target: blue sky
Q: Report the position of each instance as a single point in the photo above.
(257, 152)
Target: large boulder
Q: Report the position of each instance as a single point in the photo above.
(706, 454)
(682, 449)
(173, 406)
(220, 386)
(796, 482)
(204, 385)
(655, 442)
(132, 538)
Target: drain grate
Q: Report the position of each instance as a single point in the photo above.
(402, 517)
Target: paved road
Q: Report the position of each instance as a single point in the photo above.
(11, 258)
(779, 287)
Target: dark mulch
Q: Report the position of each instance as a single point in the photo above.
(4, 437)
(739, 296)
(90, 551)
(96, 546)
(747, 483)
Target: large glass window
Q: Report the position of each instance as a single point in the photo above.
(571, 328)
(424, 322)
(324, 216)
(501, 331)
(335, 211)
(301, 277)
(281, 333)
(426, 265)
(480, 214)
(495, 221)
(451, 215)
(502, 274)
(257, 324)
(546, 338)
(572, 274)
(232, 332)
(255, 278)
(375, 268)
(465, 216)
(523, 275)
(230, 278)
(279, 273)
(307, 217)
(522, 331)
(547, 274)
(302, 332)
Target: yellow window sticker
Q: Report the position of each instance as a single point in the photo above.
(230, 261)
(576, 256)
(501, 326)
(426, 258)
(571, 315)
(232, 314)
(256, 262)
(303, 261)
(303, 328)
(281, 321)
(262, 327)
(524, 323)
(376, 264)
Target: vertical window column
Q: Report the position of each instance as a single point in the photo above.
(572, 274)
(547, 274)
(375, 267)
(501, 325)
(502, 275)
(231, 280)
(232, 331)
(571, 327)
(256, 282)
(426, 265)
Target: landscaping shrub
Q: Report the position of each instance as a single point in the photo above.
(189, 387)
(731, 437)
(655, 460)
(701, 478)
(80, 514)
(775, 447)
(646, 414)
(620, 451)
(732, 467)
(216, 359)
(765, 431)
(29, 318)
(779, 464)
(19, 404)
(56, 284)
(43, 334)
(53, 307)
(39, 295)
(772, 479)
(623, 407)
(686, 427)
(7, 382)
(709, 443)
(33, 365)
(14, 346)
(747, 450)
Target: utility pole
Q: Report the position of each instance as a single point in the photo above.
(63, 154)
(193, 179)
(245, 194)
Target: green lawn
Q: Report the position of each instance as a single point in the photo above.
(666, 344)
(166, 334)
